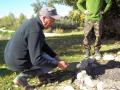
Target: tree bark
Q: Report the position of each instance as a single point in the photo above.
(110, 23)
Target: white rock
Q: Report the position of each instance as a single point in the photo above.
(81, 74)
(83, 88)
(100, 86)
(78, 65)
(16, 86)
(117, 58)
(118, 53)
(108, 57)
(98, 57)
(113, 89)
(68, 88)
(35, 89)
(92, 57)
(77, 82)
(88, 81)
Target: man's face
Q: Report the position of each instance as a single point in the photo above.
(48, 22)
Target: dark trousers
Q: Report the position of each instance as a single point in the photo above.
(36, 71)
(88, 25)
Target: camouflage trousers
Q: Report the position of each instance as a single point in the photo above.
(88, 26)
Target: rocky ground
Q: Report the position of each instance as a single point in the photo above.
(101, 76)
(91, 74)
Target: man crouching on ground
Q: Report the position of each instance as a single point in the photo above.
(28, 53)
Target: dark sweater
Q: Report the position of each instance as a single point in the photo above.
(26, 47)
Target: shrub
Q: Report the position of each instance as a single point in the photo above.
(58, 30)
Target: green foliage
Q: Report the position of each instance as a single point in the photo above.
(7, 21)
(65, 24)
(77, 16)
(10, 22)
(6, 35)
(48, 30)
(39, 3)
(21, 19)
(58, 30)
(36, 6)
(71, 3)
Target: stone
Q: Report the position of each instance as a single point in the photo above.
(108, 57)
(81, 74)
(98, 57)
(68, 88)
(100, 86)
(117, 58)
(88, 81)
(118, 53)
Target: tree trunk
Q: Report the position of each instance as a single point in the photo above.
(110, 23)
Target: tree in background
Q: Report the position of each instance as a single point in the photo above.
(36, 6)
(110, 22)
(71, 3)
(61, 25)
(22, 17)
(7, 21)
(10, 22)
(39, 3)
(74, 15)
(77, 16)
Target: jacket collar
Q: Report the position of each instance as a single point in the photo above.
(39, 22)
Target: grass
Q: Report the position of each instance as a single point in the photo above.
(68, 46)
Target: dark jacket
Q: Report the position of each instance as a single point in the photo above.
(26, 47)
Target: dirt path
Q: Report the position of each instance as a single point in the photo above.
(51, 34)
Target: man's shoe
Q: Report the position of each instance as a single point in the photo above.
(23, 83)
(20, 82)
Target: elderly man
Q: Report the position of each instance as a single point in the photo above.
(93, 10)
(28, 53)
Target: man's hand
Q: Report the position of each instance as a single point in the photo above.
(62, 65)
(86, 12)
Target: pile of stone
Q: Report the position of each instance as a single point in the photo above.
(86, 82)
(99, 76)
(94, 74)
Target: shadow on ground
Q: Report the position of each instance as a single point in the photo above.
(60, 76)
(2, 47)
(97, 69)
(94, 69)
(4, 72)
